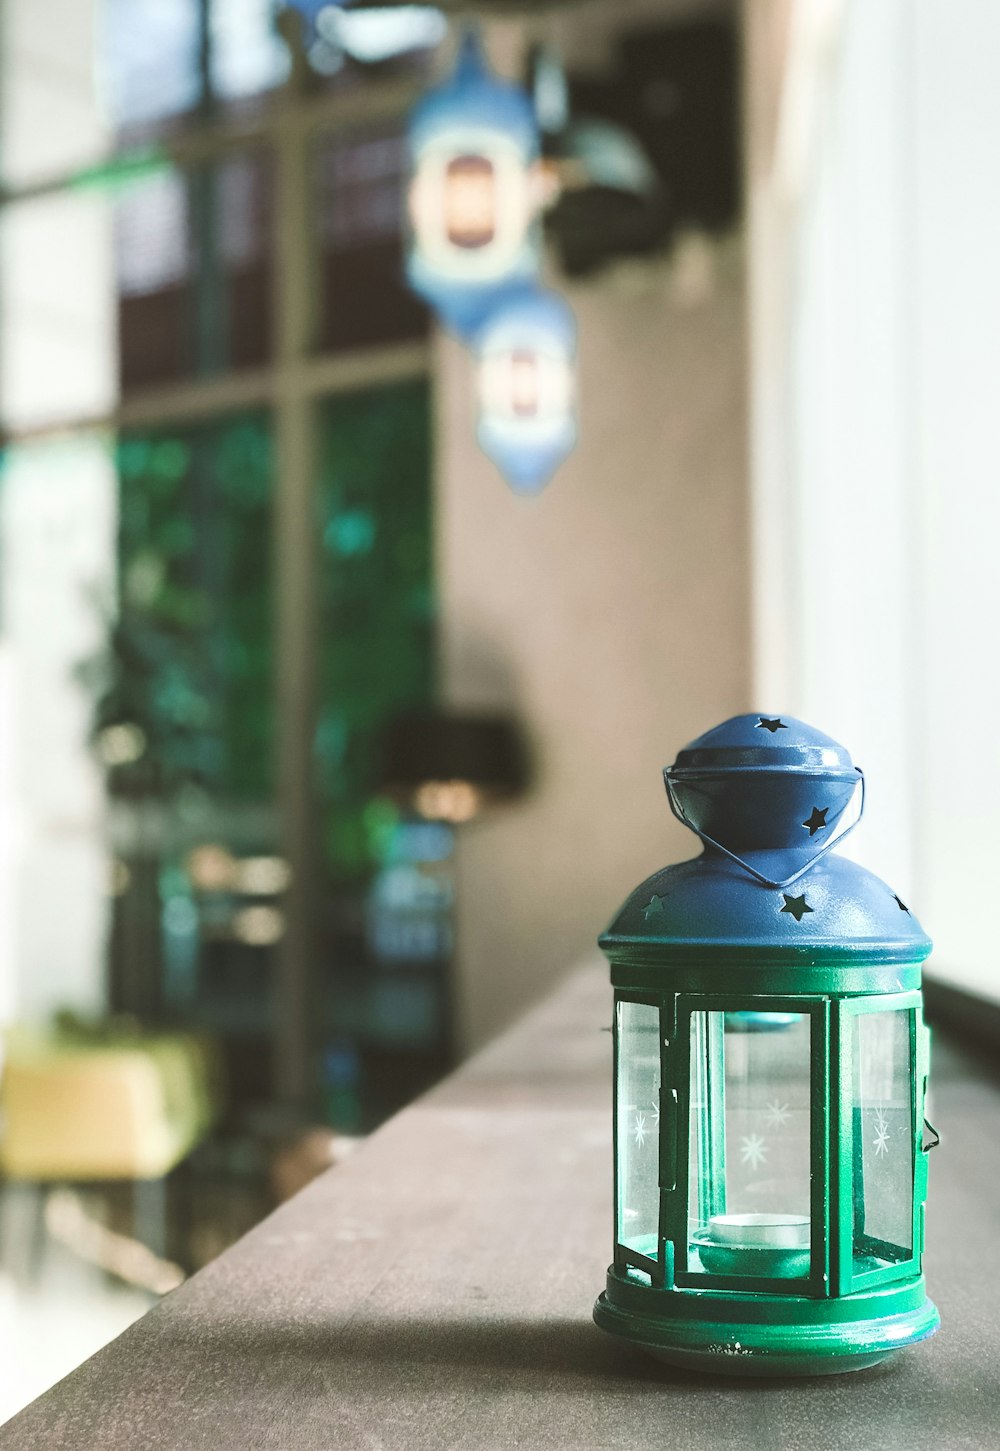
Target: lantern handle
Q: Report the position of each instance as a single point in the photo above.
(926, 1148)
(678, 811)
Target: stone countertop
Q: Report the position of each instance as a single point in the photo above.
(435, 1291)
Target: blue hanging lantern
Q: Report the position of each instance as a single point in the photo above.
(770, 1186)
(526, 358)
(474, 149)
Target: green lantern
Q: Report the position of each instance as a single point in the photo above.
(770, 1073)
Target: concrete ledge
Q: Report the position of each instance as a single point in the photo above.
(436, 1291)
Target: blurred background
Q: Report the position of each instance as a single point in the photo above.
(322, 752)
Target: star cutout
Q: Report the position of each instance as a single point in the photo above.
(816, 821)
(777, 1114)
(753, 1150)
(653, 908)
(881, 1140)
(798, 906)
(901, 904)
(765, 723)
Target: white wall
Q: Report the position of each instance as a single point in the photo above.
(956, 380)
(876, 338)
(57, 531)
(58, 358)
(845, 642)
(612, 613)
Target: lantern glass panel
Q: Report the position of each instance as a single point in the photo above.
(638, 1127)
(749, 1148)
(883, 1138)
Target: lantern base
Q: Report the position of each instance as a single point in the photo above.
(767, 1335)
(775, 1366)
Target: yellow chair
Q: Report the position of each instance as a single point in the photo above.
(82, 1109)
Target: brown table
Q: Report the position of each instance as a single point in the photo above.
(435, 1291)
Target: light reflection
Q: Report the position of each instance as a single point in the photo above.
(121, 745)
(211, 868)
(119, 878)
(454, 801)
(259, 926)
(371, 36)
(180, 917)
(262, 876)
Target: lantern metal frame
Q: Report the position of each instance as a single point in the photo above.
(859, 1300)
(831, 1113)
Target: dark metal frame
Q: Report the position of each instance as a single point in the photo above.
(832, 1142)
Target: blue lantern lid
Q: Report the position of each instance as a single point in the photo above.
(762, 742)
(769, 796)
(471, 97)
(529, 316)
(770, 790)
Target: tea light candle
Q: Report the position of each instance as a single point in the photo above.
(761, 1231)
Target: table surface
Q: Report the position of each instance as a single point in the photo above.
(436, 1291)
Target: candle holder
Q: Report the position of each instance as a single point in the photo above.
(771, 1068)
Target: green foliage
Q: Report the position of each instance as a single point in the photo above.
(377, 622)
(190, 651)
(189, 655)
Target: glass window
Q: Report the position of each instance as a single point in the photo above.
(156, 56)
(193, 270)
(182, 703)
(339, 40)
(247, 54)
(638, 1127)
(377, 605)
(195, 604)
(360, 203)
(883, 1139)
(148, 59)
(152, 234)
(749, 1146)
(386, 923)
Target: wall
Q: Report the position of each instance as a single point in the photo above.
(876, 306)
(57, 516)
(831, 476)
(954, 192)
(612, 613)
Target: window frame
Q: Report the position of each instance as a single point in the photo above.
(289, 387)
